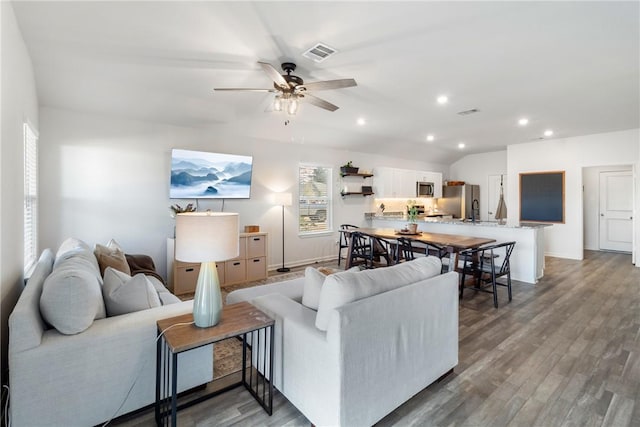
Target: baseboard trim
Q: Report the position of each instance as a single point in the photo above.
(300, 263)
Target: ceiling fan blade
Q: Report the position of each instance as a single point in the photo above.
(328, 84)
(242, 89)
(318, 102)
(274, 74)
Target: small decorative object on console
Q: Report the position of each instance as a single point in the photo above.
(176, 209)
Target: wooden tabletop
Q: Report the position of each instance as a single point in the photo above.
(455, 241)
(236, 319)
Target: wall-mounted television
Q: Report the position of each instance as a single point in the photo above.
(204, 175)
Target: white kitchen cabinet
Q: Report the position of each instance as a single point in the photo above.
(393, 182)
(401, 183)
(383, 182)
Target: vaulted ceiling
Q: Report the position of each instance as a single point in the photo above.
(572, 67)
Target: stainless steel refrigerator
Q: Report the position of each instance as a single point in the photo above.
(462, 201)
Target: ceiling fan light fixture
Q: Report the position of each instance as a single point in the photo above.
(292, 108)
(277, 103)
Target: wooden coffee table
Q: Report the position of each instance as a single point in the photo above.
(178, 334)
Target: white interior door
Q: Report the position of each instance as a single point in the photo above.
(494, 195)
(616, 204)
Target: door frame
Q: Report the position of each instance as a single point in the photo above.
(587, 193)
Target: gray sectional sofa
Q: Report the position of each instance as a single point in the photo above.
(70, 364)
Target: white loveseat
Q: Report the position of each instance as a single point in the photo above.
(378, 337)
(87, 378)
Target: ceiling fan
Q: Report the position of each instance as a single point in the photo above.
(290, 89)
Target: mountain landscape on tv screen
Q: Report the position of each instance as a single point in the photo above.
(209, 175)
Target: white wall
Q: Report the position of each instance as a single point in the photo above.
(19, 103)
(108, 178)
(571, 155)
(591, 203)
(476, 169)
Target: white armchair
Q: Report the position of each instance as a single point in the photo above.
(377, 351)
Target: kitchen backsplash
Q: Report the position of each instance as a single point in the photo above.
(400, 205)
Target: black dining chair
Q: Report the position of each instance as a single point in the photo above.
(407, 248)
(486, 264)
(345, 235)
(369, 251)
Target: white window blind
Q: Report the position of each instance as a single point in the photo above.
(30, 197)
(314, 204)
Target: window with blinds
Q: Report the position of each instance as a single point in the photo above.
(314, 204)
(30, 197)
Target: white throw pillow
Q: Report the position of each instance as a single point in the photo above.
(72, 244)
(73, 248)
(113, 245)
(125, 294)
(313, 281)
(165, 296)
(343, 288)
(71, 298)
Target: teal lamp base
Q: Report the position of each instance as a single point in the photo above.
(207, 301)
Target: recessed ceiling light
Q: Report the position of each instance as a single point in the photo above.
(361, 121)
(461, 145)
(523, 121)
(442, 99)
(430, 138)
(548, 132)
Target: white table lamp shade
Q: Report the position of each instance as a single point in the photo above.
(207, 236)
(282, 199)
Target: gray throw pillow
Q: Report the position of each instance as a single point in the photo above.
(71, 299)
(125, 294)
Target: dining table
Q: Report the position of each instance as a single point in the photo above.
(453, 243)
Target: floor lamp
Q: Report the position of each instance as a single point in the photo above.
(283, 199)
(207, 237)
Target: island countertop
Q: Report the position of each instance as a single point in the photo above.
(527, 259)
(457, 221)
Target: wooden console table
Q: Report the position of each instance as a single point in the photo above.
(179, 334)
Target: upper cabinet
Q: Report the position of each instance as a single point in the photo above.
(401, 183)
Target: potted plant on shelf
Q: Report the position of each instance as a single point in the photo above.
(348, 168)
(412, 216)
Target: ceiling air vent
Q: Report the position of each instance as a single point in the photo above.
(467, 112)
(319, 52)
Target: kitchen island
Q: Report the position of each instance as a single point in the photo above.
(527, 259)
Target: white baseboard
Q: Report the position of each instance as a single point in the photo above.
(298, 263)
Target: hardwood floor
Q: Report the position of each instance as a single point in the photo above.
(564, 352)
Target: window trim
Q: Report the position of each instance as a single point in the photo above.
(329, 230)
(30, 196)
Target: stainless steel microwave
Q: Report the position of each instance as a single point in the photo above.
(424, 189)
